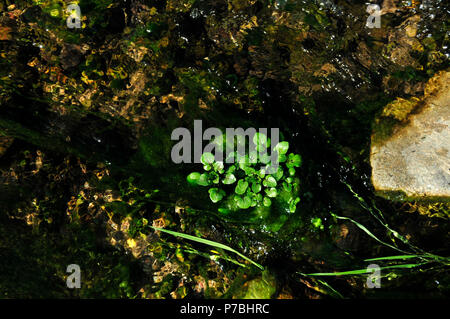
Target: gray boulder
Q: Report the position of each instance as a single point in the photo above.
(410, 149)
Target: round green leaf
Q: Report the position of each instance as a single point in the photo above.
(224, 211)
(294, 160)
(231, 157)
(278, 174)
(282, 147)
(229, 179)
(253, 157)
(193, 178)
(216, 194)
(241, 187)
(317, 222)
(207, 158)
(244, 202)
(271, 192)
(218, 167)
(231, 169)
(270, 181)
(203, 180)
(262, 173)
(256, 187)
(220, 141)
(240, 140)
(264, 158)
(282, 158)
(267, 202)
(249, 171)
(260, 139)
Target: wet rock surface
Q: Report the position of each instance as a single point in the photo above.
(415, 159)
(90, 112)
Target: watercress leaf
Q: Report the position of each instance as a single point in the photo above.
(224, 211)
(267, 202)
(249, 171)
(244, 202)
(287, 187)
(278, 174)
(207, 158)
(229, 179)
(216, 194)
(241, 187)
(294, 160)
(256, 187)
(253, 157)
(207, 167)
(271, 192)
(282, 147)
(231, 157)
(271, 169)
(292, 171)
(260, 139)
(218, 166)
(243, 162)
(193, 178)
(240, 141)
(220, 141)
(264, 158)
(282, 158)
(270, 181)
(262, 173)
(203, 180)
(293, 205)
(231, 169)
(317, 222)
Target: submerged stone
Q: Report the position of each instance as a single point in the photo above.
(410, 154)
(5, 143)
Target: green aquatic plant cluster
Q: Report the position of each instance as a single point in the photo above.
(250, 177)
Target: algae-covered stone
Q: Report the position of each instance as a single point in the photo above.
(410, 155)
(259, 288)
(5, 143)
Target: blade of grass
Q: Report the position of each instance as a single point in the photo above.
(369, 233)
(334, 292)
(363, 271)
(207, 242)
(208, 256)
(393, 257)
(381, 219)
